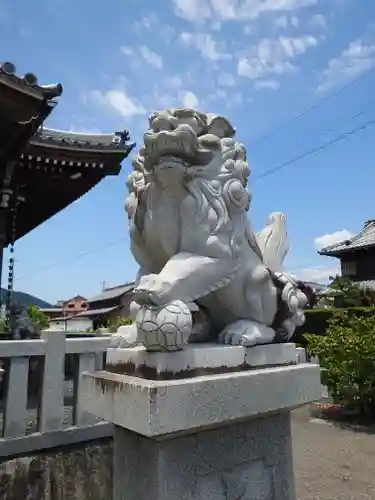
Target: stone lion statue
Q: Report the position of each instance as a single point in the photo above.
(190, 234)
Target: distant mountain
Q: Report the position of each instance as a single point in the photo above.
(26, 299)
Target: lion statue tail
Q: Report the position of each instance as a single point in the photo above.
(273, 242)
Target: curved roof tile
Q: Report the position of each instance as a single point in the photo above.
(115, 141)
(28, 82)
(364, 239)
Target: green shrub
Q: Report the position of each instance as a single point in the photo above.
(116, 322)
(317, 321)
(347, 358)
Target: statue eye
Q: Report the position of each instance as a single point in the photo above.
(209, 141)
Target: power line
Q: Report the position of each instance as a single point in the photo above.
(323, 146)
(271, 171)
(338, 121)
(311, 108)
(77, 256)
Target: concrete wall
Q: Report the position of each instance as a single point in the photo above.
(83, 472)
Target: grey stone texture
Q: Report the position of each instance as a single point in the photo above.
(157, 408)
(243, 461)
(82, 472)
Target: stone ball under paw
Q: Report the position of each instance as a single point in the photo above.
(164, 328)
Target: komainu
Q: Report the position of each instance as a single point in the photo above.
(190, 233)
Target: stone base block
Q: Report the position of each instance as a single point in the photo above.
(247, 461)
(156, 408)
(198, 359)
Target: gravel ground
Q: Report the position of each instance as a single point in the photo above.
(331, 462)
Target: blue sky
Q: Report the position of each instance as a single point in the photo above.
(258, 62)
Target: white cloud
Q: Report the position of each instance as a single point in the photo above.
(189, 99)
(192, 10)
(294, 21)
(285, 22)
(201, 10)
(317, 274)
(127, 51)
(151, 58)
(233, 100)
(186, 38)
(226, 79)
(78, 129)
(358, 58)
(207, 46)
(332, 238)
(149, 22)
(220, 94)
(318, 20)
(226, 98)
(281, 22)
(273, 56)
(175, 81)
(120, 101)
(267, 84)
(215, 26)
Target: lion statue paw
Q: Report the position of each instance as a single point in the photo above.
(246, 333)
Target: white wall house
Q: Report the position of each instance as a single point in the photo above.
(70, 324)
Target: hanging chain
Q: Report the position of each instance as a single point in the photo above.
(14, 214)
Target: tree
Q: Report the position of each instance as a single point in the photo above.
(343, 292)
(37, 317)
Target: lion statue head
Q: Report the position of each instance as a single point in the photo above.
(196, 150)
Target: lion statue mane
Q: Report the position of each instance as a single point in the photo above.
(190, 234)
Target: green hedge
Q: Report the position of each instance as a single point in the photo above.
(317, 320)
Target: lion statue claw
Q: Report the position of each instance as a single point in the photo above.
(198, 255)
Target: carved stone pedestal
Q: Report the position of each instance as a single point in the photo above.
(216, 436)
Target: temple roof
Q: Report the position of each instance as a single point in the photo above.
(364, 239)
(80, 141)
(27, 84)
(49, 168)
(56, 169)
(24, 106)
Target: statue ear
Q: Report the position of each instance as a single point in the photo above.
(219, 126)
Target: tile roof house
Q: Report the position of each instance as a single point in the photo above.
(110, 303)
(65, 308)
(357, 256)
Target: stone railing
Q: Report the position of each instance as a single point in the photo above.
(50, 417)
